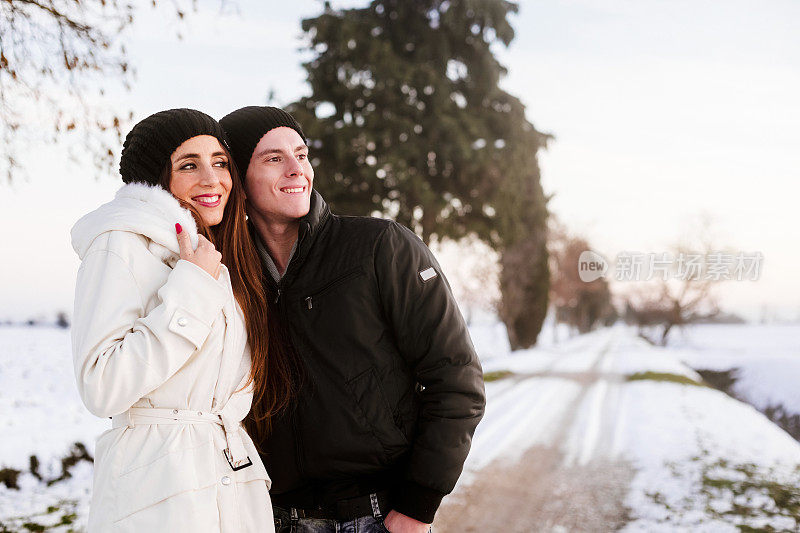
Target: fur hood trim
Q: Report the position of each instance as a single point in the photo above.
(140, 208)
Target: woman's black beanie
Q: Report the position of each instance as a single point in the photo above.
(150, 143)
(247, 125)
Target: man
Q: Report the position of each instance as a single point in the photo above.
(392, 389)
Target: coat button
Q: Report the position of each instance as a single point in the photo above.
(226, 480)
(182, 321)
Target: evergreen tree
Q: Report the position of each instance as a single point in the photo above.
(406, 120)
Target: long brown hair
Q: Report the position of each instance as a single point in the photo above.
(273, 369)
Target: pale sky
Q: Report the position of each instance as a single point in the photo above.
(661, 111)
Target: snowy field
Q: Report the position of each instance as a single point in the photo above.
(43, 416)
(767, 358)
(676, 436)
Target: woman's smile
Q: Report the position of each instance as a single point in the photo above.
(207, 200)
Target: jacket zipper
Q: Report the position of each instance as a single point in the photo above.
(282, 310)
(293, 265)
(309, 300)
(298, 448)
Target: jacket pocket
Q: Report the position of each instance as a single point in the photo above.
(314, 296)
(170, 474)
(374, 408)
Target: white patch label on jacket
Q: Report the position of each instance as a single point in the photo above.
(427, 274)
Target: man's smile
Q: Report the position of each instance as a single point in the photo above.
(293, 190)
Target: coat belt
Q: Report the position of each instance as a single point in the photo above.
(235, 453)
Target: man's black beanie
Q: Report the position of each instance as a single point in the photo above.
(247, 125)
(150, 143)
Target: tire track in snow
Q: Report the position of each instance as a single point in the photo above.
(562, 406)
(595, 431)
(587, 422)
(552, 434)
(522, 416)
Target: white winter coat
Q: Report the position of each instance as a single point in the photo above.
(160, 335)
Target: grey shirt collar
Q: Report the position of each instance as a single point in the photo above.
(267, 259)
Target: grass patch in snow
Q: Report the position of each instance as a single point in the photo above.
(497, 374)
(56, 517)
(744, 495)
(664, 376)
(61, 515)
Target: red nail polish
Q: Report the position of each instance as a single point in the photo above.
(178, 227)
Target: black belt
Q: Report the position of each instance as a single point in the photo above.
(375, 505)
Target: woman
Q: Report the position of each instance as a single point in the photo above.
(160, 337)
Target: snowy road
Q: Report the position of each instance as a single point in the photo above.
(568, 443)
(546, 455)
(571, 404)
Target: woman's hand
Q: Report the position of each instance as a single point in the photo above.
(206, 256)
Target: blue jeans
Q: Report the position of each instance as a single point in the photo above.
(365, 524)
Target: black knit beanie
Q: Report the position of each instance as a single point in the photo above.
(152, 141)
(247, 125)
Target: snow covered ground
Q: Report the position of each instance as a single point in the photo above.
(690, 445)
(767, 358)
(574, 394)
(42, 415)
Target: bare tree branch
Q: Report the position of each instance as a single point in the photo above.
(57, 60)
(674, 303)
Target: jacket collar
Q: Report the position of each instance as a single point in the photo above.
(311, 224)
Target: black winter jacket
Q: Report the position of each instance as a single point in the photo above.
(393, 389)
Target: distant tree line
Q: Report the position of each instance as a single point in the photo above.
(61, 320)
